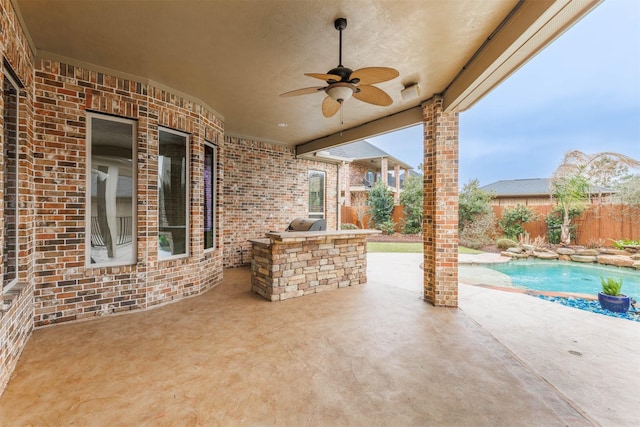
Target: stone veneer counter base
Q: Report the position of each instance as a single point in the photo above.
(293, 264)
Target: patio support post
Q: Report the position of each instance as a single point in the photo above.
(440, 223)
(384, 171)
(396, 175)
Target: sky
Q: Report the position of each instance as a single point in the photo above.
(582, 92)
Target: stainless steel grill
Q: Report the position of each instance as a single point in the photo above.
(307, 224)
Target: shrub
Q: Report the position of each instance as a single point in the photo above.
(512, 219)
(480, 232)
(472, 203)
(387, 227)
(411, 201)
(505, 244)
(380, 203)
(554, 223)
(348, 226)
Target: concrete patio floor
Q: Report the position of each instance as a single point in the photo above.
(374, 354)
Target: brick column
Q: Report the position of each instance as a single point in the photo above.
(346, 167)
(384, 170)
(396, 175)
(440, 222)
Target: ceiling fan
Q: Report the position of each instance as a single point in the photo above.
(343, 83)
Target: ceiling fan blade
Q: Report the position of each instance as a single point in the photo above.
(371, 75)
(325, 77)
(303, 91)
(373, 95)
(330, 107)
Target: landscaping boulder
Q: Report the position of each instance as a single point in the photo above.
(636, 265)
(617, 260)
(635, 257)
(565, 251)
(513, 254)
(587, 252)
(611, 251)
(583, 258)
(545, 255)
(515, 250)
(564, 257)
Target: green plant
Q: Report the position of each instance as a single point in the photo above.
(506, 244)
(620, 244)
(348, 226)
(571, 192)
(554, 221)
(380, 203)
(611, 286)
(387, 227)
(480, 232)
(472, 203)
(411, 201)
(512, 219)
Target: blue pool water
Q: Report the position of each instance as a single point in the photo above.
(570, 277)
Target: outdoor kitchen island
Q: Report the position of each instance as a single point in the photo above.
(292, 264)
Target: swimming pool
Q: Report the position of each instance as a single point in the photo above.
(569, 277)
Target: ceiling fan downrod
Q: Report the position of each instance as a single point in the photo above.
(340, 24)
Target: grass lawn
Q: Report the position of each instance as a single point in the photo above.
(407, 248)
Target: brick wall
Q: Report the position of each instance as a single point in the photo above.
(265, 188)
(65, 288)
(440, 223)
(16, 308)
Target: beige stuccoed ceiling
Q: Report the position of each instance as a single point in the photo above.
(238, 56)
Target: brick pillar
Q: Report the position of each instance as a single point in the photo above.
(440, 224)
(396, 174)
(346, 168)
(384, 170)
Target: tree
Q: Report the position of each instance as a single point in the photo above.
(571, 192)
(476, 220)
(380, 203)
(472, 202)
(512, 219)
(411, 200)
(628, 195)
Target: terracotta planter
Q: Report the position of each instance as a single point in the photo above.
(615, 303)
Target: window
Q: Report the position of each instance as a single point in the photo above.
(111, 212)
(10, 166)
(316, 194)
(209, 220)
(173, 197)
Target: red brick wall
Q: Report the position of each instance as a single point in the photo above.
(265, 188)
(65, 289)
(16, 308)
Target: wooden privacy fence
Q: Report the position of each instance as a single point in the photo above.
(596, 223)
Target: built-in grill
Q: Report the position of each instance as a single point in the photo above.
(307, 224)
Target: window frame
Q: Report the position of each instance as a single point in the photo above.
(214, 190)
(187, 207)
(323, 214)
(134, 193)
(9, 76)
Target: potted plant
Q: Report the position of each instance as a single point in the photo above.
(610, 297)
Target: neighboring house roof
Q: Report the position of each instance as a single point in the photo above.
(528, 188)
(363, 150)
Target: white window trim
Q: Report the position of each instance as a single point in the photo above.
(214, 188)
(134, 196)
(187, 243)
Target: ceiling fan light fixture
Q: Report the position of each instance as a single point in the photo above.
(340, 92)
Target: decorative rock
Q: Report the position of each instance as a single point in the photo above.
(515, 250)
(610, 251)
(514, 255)
(564, 258)
(617, 260)
(529, 247)
(545, 255)
(583, 258)
(587, 252)
(565, 251)
(636, 265)
(635, 257)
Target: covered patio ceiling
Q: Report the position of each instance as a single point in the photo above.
(238, 56)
